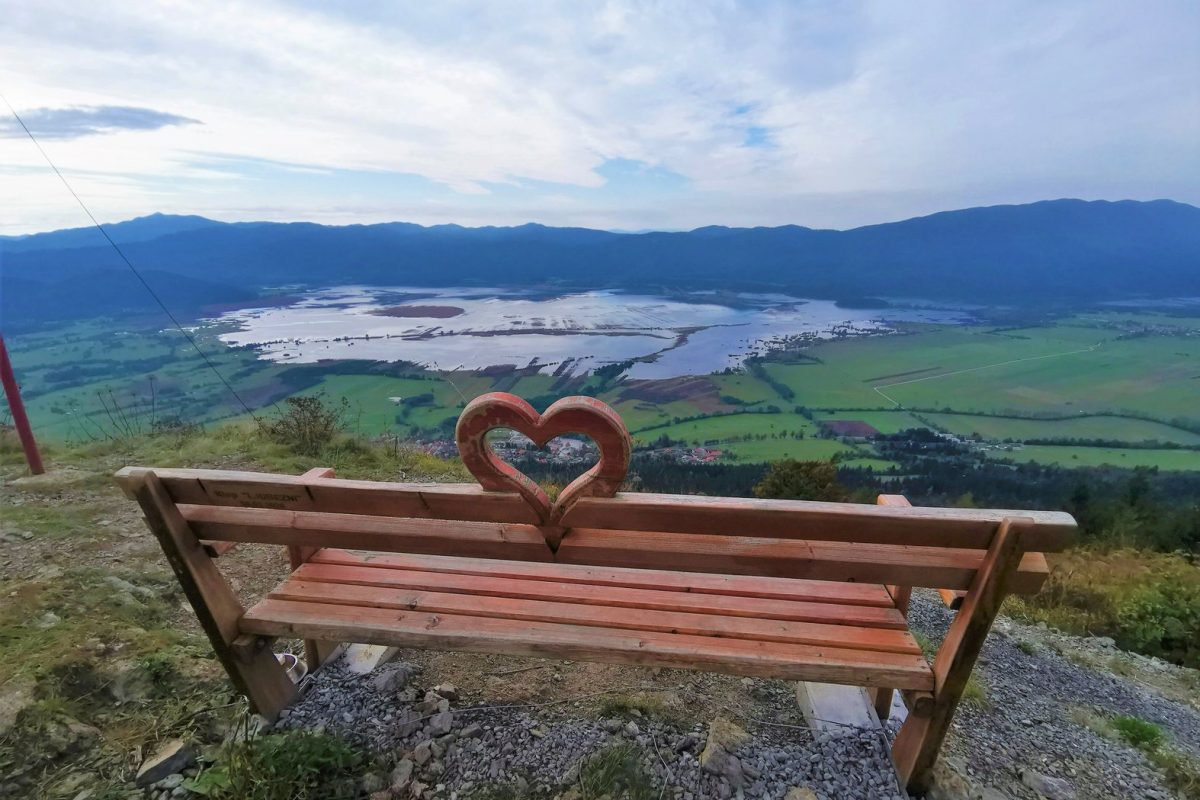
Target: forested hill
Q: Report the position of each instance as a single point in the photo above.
(1035, 254)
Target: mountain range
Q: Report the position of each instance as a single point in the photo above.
(1050, 253)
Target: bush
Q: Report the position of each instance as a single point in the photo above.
(802, 480)
(308, 424)
(1146, 602)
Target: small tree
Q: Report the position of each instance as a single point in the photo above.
(802, 480)
(308, 424)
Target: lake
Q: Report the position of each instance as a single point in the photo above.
(468, 329)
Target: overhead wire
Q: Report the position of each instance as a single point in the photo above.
(121, 253)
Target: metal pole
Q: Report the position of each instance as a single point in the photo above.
(20, 420)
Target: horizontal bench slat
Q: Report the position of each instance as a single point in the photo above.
(457, 501)
(641, 599)
(659, 580)
(285, 618)
(791, 519)
(355, 531)
(599, 616)
(816, 521)
(932, 567)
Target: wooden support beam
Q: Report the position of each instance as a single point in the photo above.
(900, 596)
(298, 556)
(920, 738)
(953, 598)
(254, 671)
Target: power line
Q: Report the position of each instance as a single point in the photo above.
(191, 340)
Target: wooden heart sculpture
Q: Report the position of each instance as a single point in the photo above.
(585, 415)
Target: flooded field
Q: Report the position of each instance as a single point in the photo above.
(471, 329)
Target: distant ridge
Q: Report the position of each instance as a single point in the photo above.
(1046, 253)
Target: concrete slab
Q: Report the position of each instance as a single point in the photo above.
(363, 658)
(830, 707)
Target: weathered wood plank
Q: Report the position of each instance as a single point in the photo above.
(815, 521)
(916, 747)
(255, 673)
(612, 596)
(484, 635)
(600, 616)
(882, 698)
(456, 501)
(314, 651)
(659, 580)
(356, 531)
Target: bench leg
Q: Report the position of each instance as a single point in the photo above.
(252, 668)
(920, 737)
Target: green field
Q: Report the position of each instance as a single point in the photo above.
(722, 428)
(799, 449)
(1104, 456)
(1100, 427)
(1091, 369)
(882, 421)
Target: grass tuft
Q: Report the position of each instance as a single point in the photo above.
(1138, 732)
(616, 771)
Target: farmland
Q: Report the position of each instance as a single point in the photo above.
(1086, 389)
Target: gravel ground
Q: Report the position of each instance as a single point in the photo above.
(1031, 732)
(1034, 700)
(537, 751)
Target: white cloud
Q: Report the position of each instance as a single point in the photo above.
(873, 111)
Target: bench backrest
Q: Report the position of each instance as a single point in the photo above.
(509, 517)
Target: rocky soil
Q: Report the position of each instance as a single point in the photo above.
(529, 730)
(444, 725)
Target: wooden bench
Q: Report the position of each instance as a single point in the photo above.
(769, 588)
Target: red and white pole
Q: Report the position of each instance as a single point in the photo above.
(20, 420)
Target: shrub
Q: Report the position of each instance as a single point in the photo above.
(802, 480)
(308, 424)
(1147, 602)
(1138, 732)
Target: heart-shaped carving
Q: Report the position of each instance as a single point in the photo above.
(585, 415)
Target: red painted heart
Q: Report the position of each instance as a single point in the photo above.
(585, 415)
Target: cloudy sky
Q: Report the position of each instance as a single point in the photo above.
(619, 115)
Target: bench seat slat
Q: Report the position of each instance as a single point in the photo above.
(287, 618)
(853, 594)
(600, 616)
(611, 596)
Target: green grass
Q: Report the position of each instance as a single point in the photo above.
(730, 426)
(801, 450)
(615, 771)
(1138, 732)
(745, 387)
(283, 766)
